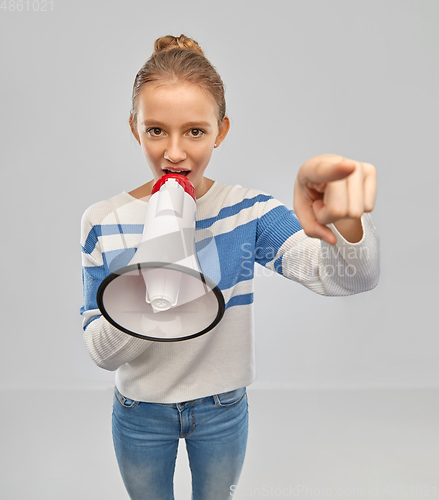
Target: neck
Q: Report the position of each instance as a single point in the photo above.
(202, 188)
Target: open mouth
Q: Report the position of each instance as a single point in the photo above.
(181, 172)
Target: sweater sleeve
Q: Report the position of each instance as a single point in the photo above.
(334, 270)
(108, 346)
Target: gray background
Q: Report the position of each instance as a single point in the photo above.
(302, 78)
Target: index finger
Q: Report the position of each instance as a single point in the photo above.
(323, 170)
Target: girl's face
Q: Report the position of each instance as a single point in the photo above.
(177, 128)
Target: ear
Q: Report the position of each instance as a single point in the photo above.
(133, 127)
(223, 131)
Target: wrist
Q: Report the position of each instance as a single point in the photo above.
(350, 229)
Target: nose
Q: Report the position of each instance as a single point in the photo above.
(174, 153)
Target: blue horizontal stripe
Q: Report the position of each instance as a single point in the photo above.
(268, 242)
(232, 210)
(236, 254)
(109, 230)
(90, 242)
(240, 300)
(278, 265)
(91, 279)
(116, 259)
(97, 273)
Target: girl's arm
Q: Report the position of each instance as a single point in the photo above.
(342, 268)
(108, 347)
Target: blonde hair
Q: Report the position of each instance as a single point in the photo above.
(180, 59)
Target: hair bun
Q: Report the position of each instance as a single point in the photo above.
(178, 60)
(170, 42)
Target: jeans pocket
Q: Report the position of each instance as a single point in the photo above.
(230, 398)
(124, 401)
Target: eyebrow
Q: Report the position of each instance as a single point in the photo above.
(188, 124)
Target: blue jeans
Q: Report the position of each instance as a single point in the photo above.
(146, 437)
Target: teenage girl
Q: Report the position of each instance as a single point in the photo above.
(196, 389)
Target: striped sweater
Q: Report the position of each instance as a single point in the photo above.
(249, 227)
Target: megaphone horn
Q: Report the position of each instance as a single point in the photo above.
(162, 295)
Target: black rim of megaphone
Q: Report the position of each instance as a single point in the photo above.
(176, 267)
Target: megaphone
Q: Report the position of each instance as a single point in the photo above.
(162, 295)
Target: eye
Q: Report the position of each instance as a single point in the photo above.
(155, 132)
(201, 132)
(154, 129)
